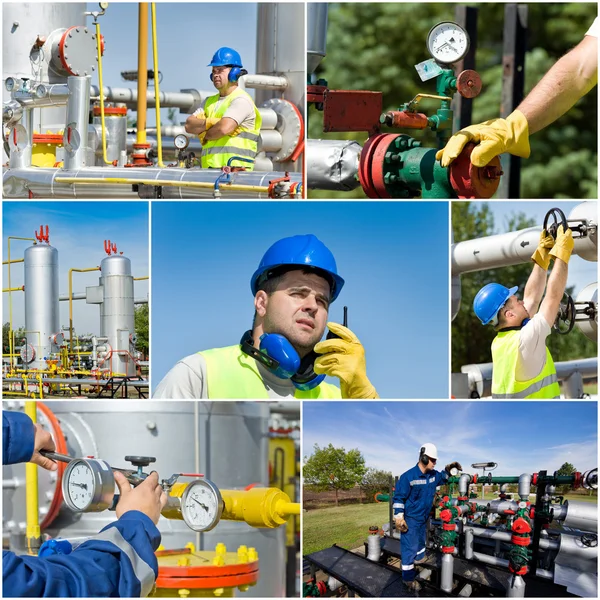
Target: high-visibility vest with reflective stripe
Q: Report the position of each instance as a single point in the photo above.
(232, 374)
(216, 153)
(505, 353)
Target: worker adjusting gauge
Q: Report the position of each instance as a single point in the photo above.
(88, 485)
(447, 42)
(201, 505)
(181, 141)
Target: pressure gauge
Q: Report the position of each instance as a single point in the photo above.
(454, 472)
(181, 141)
(201, 505)
(447, 42)
(88, 485)
(10, 84)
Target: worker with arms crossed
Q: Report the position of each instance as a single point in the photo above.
(119, 561)
(523, 366)
(282, 355)
(569, 79)
(412, 503)
(228, 124)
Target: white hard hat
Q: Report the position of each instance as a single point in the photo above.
(430, 450)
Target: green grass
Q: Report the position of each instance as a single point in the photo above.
(581, 498)
(590, 388)
(346, 526)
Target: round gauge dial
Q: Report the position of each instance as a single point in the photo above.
(201, 505)
(181, 141)
(447, 42)
(88, 485)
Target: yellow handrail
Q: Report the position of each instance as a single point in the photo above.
(156, 85)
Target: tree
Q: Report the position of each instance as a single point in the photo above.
(367, 50)
(471, 342)
(19, 336)
(333, 469)
(566, 469)
(142, 329)
(375, 480)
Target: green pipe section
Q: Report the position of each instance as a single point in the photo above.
(382, 497)
(560, 479)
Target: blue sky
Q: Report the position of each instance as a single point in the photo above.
(522, 437)
(77, 230)
(393, 256)
(188, 36)
(581, 272)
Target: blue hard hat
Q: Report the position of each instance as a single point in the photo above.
(226, 57)
(303, 251)
(490, 299)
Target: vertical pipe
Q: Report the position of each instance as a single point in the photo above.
(31, 491)
(101, 85)
(75, 137)
(156, 85)
(469, 543)
(515, 587)
(447, 576)
(142, 83)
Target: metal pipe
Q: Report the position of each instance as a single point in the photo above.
(463, 484)
(156, 84)
(17, 289)
(515, 587)
(74, 381)
(468, 543)
(34, 534)
(12, 262)
(102, 119)
(76, 131)
(316, 35)
(581, 515)
(524, 486)
(142, 82)
(263, 82)
(43, 96)
(490, 560)
(186, 100)
(76, 296)
(374, 546)
(503, 536)
(71, 300)
(332, 164)
(447, 574)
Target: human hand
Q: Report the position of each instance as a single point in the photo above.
(541, 256)
(453, 465)
(344, 358)
(42, 441)
(564, 244)
(400, 523)
(148, 497)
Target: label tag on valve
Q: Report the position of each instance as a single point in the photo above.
(428, 69)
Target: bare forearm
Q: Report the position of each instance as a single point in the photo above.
(195, 126)
(573, 76)
(534, 289)
(557, 282)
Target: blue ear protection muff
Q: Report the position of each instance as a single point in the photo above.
(280, 357)
(234, 74)
(423, 457)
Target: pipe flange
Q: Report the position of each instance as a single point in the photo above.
(27, 353)
(471, 182)
(73, 51)
(371, 171)
(290, 125)
(18, 140)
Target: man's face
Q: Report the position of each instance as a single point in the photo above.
(297, 309)
(517, 307)
(431, 465)
(220, 77)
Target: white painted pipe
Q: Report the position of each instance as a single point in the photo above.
(263, 82)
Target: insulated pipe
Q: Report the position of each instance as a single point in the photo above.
(43, 96)
(374, 545)
(43, 182)
(463, 484)
(502, 536)
(332, 164)
(142, 82)
(447, 574)
(186, 100)
(263, 82)
(75, 137)
(70, 298)
(579, 515)
(34, 534)
(524, 486)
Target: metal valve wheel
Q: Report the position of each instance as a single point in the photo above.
(565, 320)
(557, 215)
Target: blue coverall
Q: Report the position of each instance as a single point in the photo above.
(413, 497)
(119, 561)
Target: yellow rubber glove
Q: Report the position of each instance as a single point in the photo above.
(564, 244)
(344, 358)
(213, 121)
(493, 137)
(541, 256)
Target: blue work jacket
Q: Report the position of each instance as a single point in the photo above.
(415, 491)
(119, 561)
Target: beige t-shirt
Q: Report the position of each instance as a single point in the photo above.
(188, 380)
(593, 30)
(241, 110)
(532, 348)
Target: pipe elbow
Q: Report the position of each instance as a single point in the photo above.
(463, 484)
(524, 486)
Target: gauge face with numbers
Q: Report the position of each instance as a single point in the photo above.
(181, 141)
(201, 505)
(447, 42)
(88, 485)
(80, 485)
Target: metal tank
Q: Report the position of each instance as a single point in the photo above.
(588, 213)
(115, 120)
(316, 35)
(42, 316)
(117, 322)
(21, 57)
(589, 327)
(226, 441)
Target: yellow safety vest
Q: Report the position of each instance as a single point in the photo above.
(505, 353)
(216, 153)
(232, 374)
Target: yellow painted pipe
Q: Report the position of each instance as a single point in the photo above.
(156, 85)
(98, 44)
(9, 262)
(71, 301)
(234, 187)
(33, 531)
(141, 278)
(19, 289)
(142, 82)
(12, 262)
